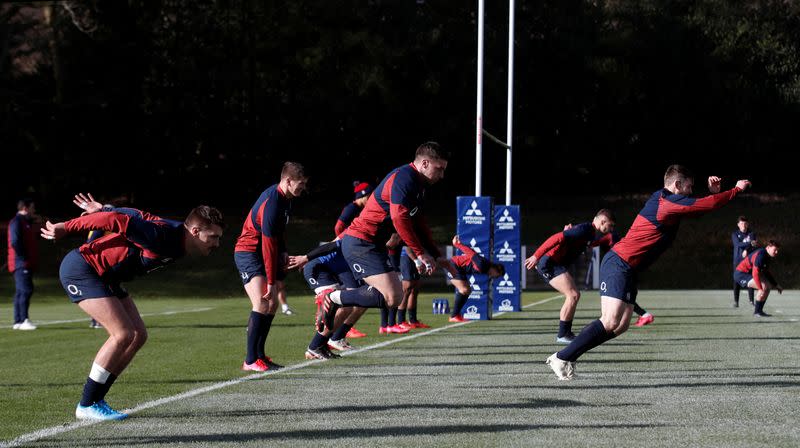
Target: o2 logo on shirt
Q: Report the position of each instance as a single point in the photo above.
(74, 290)
(313, 281)
(603, 287)
(357, 267)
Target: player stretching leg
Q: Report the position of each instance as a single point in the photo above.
(395, 205)
(554, 256)
(138, 243)
(260, 256)
(460, 267)
(753, 272)
(651, 234)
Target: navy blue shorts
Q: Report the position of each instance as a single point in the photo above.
(394, 258)
(742, 278)
(461, 274)
(329, 270)
(617, 279)
(408, 270)
(548, 269)
(250, 264)
(364, 258)
(82, 282)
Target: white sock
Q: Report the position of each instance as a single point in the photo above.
(336, 297)
(284, 306)
(98, 374)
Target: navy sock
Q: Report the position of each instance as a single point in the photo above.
(107, 386)
(639, 310)
(736, 289)
(412, 315)
(92, 391)
(401, 316)
(392, 317)
(365, 296)
(751, 294)
(341, 332)
(262, 340)
(384, 317)
(590, 337)
(564, 327)
(254, 333)
(318, 341)
(760, 306)
(460, 301)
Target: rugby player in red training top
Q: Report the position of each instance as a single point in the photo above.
(260, 256)
(137, 244)
(362, 190)
(651, 234)
(554, 256)
(460, 267)
(395, 205)
(753, 272)
(744, 240)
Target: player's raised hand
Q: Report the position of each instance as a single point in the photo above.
(52, 231)
(568, 226)
(87, 203)
(530, 262)
(456, 240)
(743, 184)
(714, 184)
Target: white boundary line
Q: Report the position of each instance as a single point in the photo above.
(71, 321)
(55, 430)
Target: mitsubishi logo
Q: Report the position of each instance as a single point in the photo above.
(473, 245)
(505, 281)
(474, 210)
(472, 283)
(505, 217)
(506, 249)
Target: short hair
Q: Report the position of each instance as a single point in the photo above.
(24, 203)
(677, 172)
(431, 150)
(609, 215)
(204, 216)
(773, 243)
(293, 170)
(743, 218)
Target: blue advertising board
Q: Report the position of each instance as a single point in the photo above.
(474, 227)
(507, 251)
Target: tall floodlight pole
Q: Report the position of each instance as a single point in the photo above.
(510, 122)
(479, 106)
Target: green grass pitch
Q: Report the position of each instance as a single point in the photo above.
(704, 374)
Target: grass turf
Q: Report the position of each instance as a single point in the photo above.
(703, 374)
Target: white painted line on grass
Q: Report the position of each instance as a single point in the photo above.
(71, 321)
(55, 430)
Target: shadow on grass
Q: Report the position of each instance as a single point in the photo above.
(576, 385)
(390, 407)
(333, 434)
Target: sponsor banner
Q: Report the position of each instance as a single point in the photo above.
(507, 251)
(474, 227)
